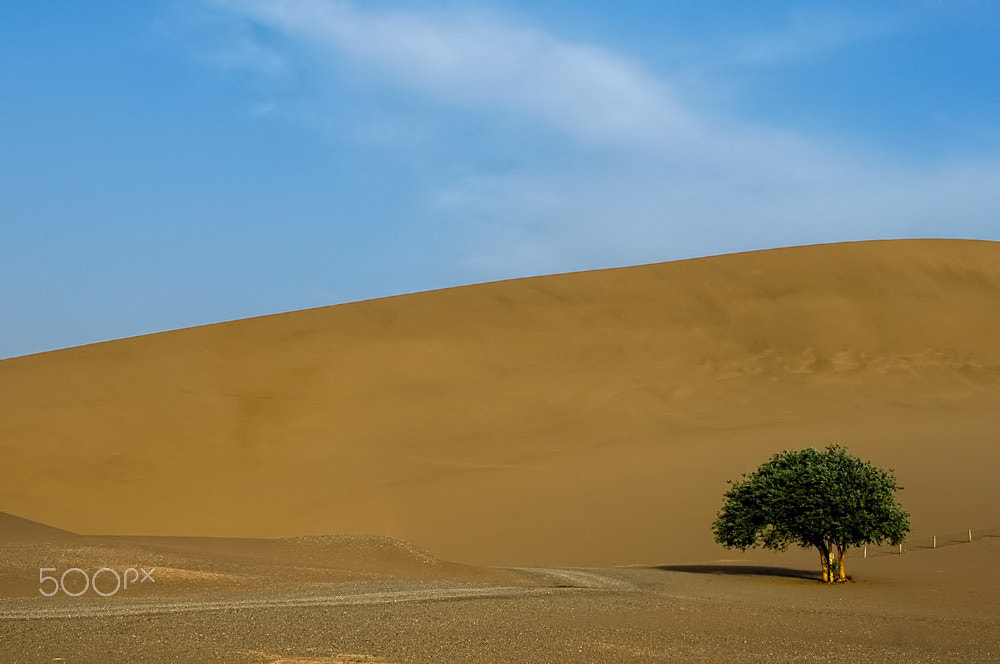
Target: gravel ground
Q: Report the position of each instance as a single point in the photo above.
(632, 615)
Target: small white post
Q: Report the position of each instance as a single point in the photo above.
(970, 535)
(900, 548)
(866, 553)
(934, 542)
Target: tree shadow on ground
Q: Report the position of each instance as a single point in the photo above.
(744, 570)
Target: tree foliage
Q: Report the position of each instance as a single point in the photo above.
(828, 500)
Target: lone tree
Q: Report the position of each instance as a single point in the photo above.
(829, 500)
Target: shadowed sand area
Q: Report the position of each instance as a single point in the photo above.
(583, 419)
(299, 482)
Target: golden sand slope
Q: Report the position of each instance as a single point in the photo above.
(588, 418)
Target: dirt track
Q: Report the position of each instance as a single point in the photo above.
(352, 595)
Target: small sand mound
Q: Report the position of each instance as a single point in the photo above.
(17, 529)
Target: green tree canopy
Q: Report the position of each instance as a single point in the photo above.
(828, 500)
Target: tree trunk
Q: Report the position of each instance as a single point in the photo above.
(832, 564)
(825, 562)
(841, 554)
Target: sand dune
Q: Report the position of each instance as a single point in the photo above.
(191, 567)
(586, 419)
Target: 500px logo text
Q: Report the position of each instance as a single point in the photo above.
(49, 585)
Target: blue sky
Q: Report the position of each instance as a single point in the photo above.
(175, 163)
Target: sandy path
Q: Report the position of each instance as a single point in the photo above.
(564, 579)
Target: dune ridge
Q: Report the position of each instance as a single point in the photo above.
(589, 418)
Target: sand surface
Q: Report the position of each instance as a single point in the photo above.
(585, 420)
(582, 419)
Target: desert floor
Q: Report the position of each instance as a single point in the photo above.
(369, 599)
(565, 439)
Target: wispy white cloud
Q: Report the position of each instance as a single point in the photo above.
(646, 175)
(473, 62)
